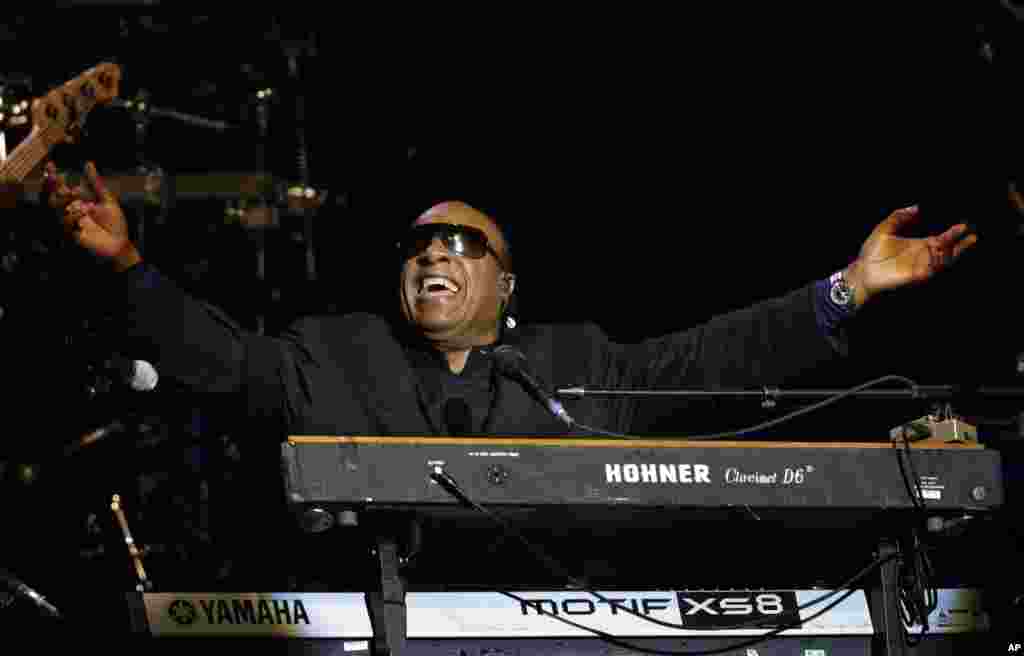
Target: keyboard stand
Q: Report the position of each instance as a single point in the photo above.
(387, 605)
(884, 604)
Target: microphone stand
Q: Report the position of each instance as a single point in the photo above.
(140, 105)
(942, 423)
(771, 395)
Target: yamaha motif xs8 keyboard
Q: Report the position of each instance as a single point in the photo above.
(609, 477)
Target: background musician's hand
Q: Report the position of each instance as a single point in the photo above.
(98, 226)
(889, 261)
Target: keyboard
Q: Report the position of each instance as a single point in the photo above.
(610, 478)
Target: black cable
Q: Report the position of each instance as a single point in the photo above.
(599, 431)
(851, 582)
(913, 491)
(753, 624)
(918, 597)
(917, 602)
(607, 637)
(449, 484)
(778, 420)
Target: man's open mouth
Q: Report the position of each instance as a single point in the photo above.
(437, 287)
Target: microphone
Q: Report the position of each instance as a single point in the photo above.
(139, 375)
(512, 363)
(20, 590)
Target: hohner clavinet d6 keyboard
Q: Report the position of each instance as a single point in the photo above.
(339, 473)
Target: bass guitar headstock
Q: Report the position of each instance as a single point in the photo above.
(60, 114)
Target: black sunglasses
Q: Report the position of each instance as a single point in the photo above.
(461, 240)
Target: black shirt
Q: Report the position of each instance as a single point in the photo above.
(455, 404)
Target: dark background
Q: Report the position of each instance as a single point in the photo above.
(652, 170)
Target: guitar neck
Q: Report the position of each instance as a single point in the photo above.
(28, 154)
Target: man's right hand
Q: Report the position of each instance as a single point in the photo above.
(99, 226)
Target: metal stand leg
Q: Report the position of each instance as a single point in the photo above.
(885, 612)
(387, 607)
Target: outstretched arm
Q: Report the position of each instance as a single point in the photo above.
(188, 340)
(781, 339)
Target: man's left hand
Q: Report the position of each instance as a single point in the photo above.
(888, 261)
